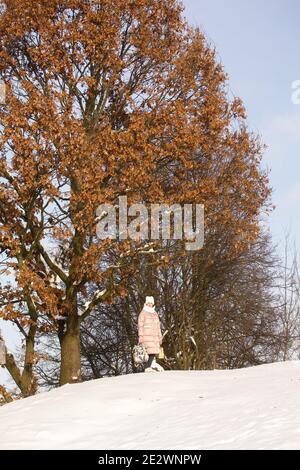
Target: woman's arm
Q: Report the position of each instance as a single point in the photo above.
(141, 327)
(159, 332)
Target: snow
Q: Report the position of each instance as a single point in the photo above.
(86, 305)
(253, 408)
(100, 293)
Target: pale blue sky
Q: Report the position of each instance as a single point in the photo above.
(258, 42)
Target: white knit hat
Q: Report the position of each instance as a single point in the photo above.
(149, 300)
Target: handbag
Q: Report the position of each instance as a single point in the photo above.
(161, 354)
(140, 355)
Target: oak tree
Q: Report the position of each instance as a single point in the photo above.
(106, 98)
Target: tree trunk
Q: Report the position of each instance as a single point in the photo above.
(70, 370)
(28, 379)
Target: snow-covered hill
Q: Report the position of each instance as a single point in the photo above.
(254, 408)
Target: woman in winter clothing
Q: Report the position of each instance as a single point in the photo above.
(150, 333)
